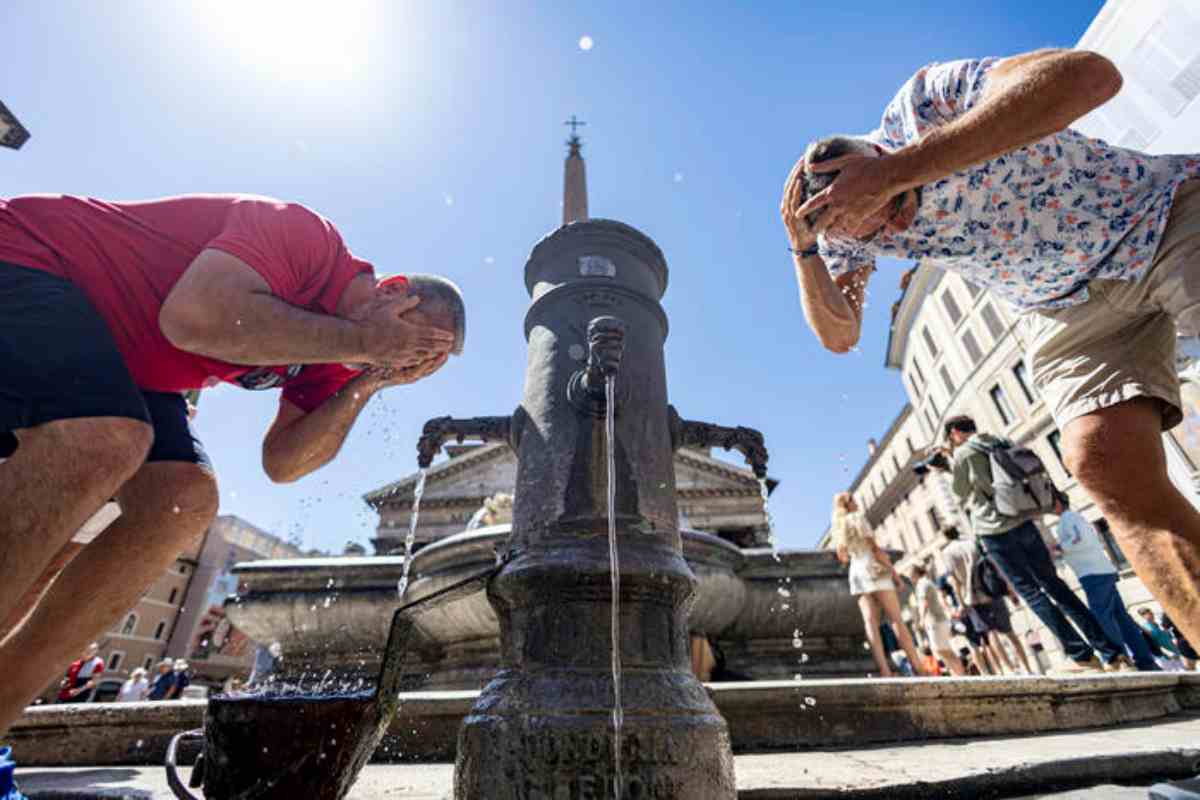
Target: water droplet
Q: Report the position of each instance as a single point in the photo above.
(810, 701)
(678, 177)
(175, 509)
(586, 43)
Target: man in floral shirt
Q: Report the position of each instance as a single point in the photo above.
(974, 170)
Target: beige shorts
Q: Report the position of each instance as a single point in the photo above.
(1120, 343)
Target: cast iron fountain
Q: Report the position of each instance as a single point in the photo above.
(544, 722)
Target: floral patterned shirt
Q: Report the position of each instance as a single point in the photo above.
(1034, 225)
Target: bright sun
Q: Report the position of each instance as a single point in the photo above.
(308, 39)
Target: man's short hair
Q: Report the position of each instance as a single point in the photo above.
(962, 423)
(447, 298)
(952, 533)
(825, 149)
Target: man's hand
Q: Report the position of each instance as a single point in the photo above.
(392, 342)
(383, 377)
(863, 187)
(800, 233)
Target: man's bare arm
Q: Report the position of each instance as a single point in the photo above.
(223, 309)
(832, 307)
(300, 443)
(1028, 97)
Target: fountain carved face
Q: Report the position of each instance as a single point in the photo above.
(606, 344)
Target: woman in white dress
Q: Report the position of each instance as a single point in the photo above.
(872, 581)
(134, 689)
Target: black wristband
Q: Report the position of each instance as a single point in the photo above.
(807, 252)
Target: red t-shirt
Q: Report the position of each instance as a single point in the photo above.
(79, 673)
(126, 257)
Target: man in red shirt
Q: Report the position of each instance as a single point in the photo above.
(108, 312)
(82, 676)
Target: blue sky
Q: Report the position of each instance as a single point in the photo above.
(431, 134)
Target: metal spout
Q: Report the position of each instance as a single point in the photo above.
(440, 430)
(606, 348)
(747, 441)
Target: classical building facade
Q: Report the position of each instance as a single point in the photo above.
(714, 496)
(960, 351)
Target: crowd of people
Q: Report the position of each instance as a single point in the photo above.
(1003, 560)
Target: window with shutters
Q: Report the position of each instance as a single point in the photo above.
(929, 342)
(1022, 377)
(946, 379)
(1166, 62)
(1003, 408)
(974, 351)
(951, 306)
(992, 320)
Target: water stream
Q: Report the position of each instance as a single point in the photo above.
(765, 491)
(411, 538)
(618, 714)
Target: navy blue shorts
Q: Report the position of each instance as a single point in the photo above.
(58, 360)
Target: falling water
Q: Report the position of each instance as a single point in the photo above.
(411, 539)
(766, 494)
(618, 715)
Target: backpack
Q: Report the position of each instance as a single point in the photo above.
(1020, 484)
(985, 575)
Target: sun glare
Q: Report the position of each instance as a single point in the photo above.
(307, 39)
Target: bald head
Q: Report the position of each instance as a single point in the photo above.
(441, 304)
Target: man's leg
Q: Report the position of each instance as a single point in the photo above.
(61, 473)
(166, 507)
(1042, 565)
(31, 597)
(1007, 551)
(1117, 455)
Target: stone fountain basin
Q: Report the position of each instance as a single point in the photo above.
(334, 613)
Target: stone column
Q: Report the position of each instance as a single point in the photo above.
(542, 728)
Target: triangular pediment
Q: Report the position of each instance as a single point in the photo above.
(490, 468)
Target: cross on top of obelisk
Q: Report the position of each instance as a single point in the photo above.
(574, 142)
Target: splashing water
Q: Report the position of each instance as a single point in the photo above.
(411, 539)
(618, 714)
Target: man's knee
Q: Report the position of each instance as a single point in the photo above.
(183, 496)
(1116, 453)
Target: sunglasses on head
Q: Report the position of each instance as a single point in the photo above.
(268, 377)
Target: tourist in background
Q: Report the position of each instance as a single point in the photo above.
(82, 677)
(871, 580)
(182, 680)
(1016, 546)
(986, 618)
(136, 688)
(164, 681)
(1083, 550)
(1169, 657)
(934, 619)
(1187, 653)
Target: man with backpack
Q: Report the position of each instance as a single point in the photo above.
(1003, 489)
